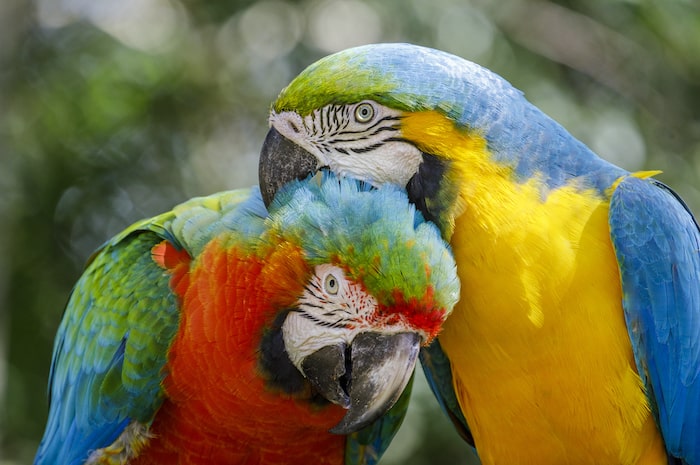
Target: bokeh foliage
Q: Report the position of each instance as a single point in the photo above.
(114, 110)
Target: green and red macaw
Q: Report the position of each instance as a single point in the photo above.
(577, 336)
(218, 334)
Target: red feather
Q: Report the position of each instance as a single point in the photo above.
(218, 408)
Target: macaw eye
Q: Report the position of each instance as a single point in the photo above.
(364, 112)
(331, 284)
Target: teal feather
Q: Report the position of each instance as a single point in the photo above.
(654, 234)
(110, 354)
(384, 232)
(112, 344)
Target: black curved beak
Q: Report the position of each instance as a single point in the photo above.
(367, 378)
(281, 161)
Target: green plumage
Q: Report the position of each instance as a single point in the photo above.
(111, 351)
(331, 80)
(475, 148)
(112, 344)
(380, 256)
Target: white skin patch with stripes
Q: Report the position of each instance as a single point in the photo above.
(362, 140)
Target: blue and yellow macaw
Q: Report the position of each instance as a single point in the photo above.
(577, 336)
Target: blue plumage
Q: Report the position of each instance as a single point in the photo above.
(92, 396)
(113, 341)
(113, 347)
(466, 188)
(657, 242)
(473, 96)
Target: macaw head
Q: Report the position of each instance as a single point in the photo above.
(419, 118)
(377, 280)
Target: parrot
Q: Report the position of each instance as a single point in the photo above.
(576, 339)
(224, 332)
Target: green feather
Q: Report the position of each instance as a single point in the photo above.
(110, 355)
(337, 79)
(362, 232)
(112, 344)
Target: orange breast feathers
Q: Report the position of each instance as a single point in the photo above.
(220, 407)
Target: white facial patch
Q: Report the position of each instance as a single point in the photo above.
(362, 140)
(332, 309)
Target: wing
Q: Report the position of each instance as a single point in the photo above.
(438, 373)
(366, 446)
(112, 344)
(657, 243)
(110, 350)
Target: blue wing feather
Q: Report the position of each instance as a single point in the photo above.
(111, 347)
(91, 401)
(657, 243)
(438, 373)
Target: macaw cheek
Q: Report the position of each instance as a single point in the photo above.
(370, 382)
(282, 161)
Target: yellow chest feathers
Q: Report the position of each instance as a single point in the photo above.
(541, 359)
(539, 348)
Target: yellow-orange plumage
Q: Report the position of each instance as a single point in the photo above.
(540, 282)
(576, 337)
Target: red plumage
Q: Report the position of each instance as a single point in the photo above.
(219, 408)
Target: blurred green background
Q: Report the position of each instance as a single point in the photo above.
(113, 110)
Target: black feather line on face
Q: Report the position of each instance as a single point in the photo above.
(369, 148)
(373, 128)
(340, 322)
